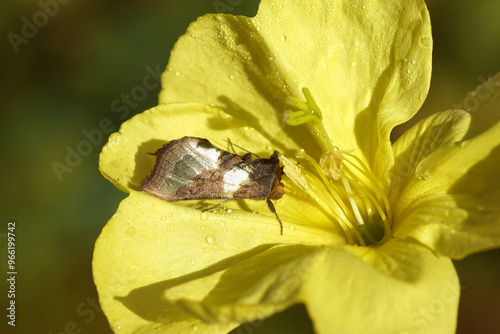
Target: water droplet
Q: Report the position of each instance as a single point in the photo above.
(231, 77)
(258, 28)
(413, 61)
(177, 73)
(113, 286)
(163, 218)
(195, 328)
(283, 38)
(292, 228)
(422, 174)
(204, 216)
(130, 232)
(426, 41)
(230, 211)
(170, 214)
(252, 230)
(210, 239)
(353, 64)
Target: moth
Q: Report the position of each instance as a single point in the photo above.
(191, 168)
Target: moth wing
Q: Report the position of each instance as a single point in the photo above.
(256, 188)
(219, 183)
(178, 163)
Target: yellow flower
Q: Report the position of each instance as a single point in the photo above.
(370, 228)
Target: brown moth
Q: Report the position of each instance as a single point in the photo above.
(192, 168)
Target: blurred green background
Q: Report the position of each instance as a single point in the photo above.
(62, 82)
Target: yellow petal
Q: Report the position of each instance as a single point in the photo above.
(150, 246)
(427, 140)
(447, 182)
(251, 290)
(367, 66)
(399, 287)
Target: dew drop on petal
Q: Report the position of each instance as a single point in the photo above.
(204, 216)
(163, 217)
(210, 239)
(292, 228)
(422, 174)
(283, 38)
(426, 41)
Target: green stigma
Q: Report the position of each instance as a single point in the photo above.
(308, 112)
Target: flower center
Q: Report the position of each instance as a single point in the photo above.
(341, 182)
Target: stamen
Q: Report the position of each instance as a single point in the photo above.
(386, 214)
(294, 173)
(354, 206)
(332, 162)
(332, 192)
(336, 163)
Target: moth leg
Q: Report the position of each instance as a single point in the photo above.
(273, 210)
(216, 205)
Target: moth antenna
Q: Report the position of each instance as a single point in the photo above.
(273, 210)
(233, 145)
(157, 151)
